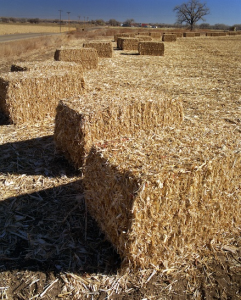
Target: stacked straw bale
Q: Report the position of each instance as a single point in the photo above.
(165, 199)
(151, 48)
(222, 34)
(116, 36)
(178, 34)
(147, 33)
(169, 38)
(197, 33)
(81, 122)
(104, 49)
(87, 57)
(155, 35)
(232, 33)
(32, 96)
(47, 65)
(128, 43)
(144, 38)
(189, 34)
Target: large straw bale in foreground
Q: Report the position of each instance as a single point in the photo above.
(165, 199)
(104, 49)
(151, 48)
(87, 57)
(169, 38)
(81, 122)
(47, 66)
(32, 96)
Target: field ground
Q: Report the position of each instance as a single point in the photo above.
(50, 246)
(32, 28)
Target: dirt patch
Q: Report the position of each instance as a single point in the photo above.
(50, 248)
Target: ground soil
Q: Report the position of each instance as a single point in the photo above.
(57, 217)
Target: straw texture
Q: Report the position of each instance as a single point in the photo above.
(151, 48)
(189, 34)
(104, 49)
(88, 57)
(32, 96)
(81, 122)
(169, 38)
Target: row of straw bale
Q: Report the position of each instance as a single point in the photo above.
(90, 118)
(34, 95)
(131, 43)
(104, 49)
(165, 199)
(188, 34)
(87, 57)
(116, 36)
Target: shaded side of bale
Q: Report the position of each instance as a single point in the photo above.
(129, 43)
(87, 57)
(215, 34)
(81, 122)
(104, 49)
(178, 34)
(189, 34)
(153, 212)
(197, 33)
(169, 38)
(232, 33)
(208, 34)
(151, 48)
(47, 66)
(29, 97)
(222, 34)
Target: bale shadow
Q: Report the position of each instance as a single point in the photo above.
(51, 231)
(4, 120)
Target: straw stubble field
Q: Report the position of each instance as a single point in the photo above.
(52, 248)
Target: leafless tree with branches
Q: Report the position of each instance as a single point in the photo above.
(191, 12)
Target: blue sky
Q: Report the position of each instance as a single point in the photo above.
(143, 11)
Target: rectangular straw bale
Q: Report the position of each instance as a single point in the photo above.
(151, 48)
(144, 38)
(144, 33)
(232, 33)
(189, 34)
(87, 57)
(208, 33)
(116, 36)
(104, 49)
(47, 65)
(128, 43)
(81, 122)
(215, 34)
(222, 34)
(197, 33)
(178, 34)
(169, 38)
(165, 199)
(29, 97)
(155, 35)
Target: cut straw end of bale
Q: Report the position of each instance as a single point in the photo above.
(81, 122)
(165, 198)
(46, 66)
(87, 57)
(29, 97)
(104, 49)
(188, 34)
(169, 38)
(151, 48)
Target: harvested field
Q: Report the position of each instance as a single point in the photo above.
(87, 57)
(51, 247)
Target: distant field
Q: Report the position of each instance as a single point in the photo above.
(31, 28)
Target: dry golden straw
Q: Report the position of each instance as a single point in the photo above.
(169, 38)
(151, 48)
(189, 34)
(88, 57)
(32, 96)
(104, 49)
(104, 116)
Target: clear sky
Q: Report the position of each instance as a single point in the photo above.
(144, 11)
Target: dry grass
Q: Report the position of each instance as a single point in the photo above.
(23, 28)
(32, 186)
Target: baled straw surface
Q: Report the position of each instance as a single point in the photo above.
(116, 36)
(104, 49)
(47, 65)
(151, 48)
(128, 43)
(189, 34)
(178, 34)
(222, 34)
(197, 34)
(162, 199)
(155, 35)
(32, 96)
(100, 116)
(169, 38)
(144, 38)
(88, 57)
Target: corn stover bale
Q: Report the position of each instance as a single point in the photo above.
(189, 34)
(46, 66)
(104, 49)
(93, 117)
(87, 57)
(165, 199)
(28, 97)
(151, 48)
(169, 38)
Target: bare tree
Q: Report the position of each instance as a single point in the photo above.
(191, 12)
